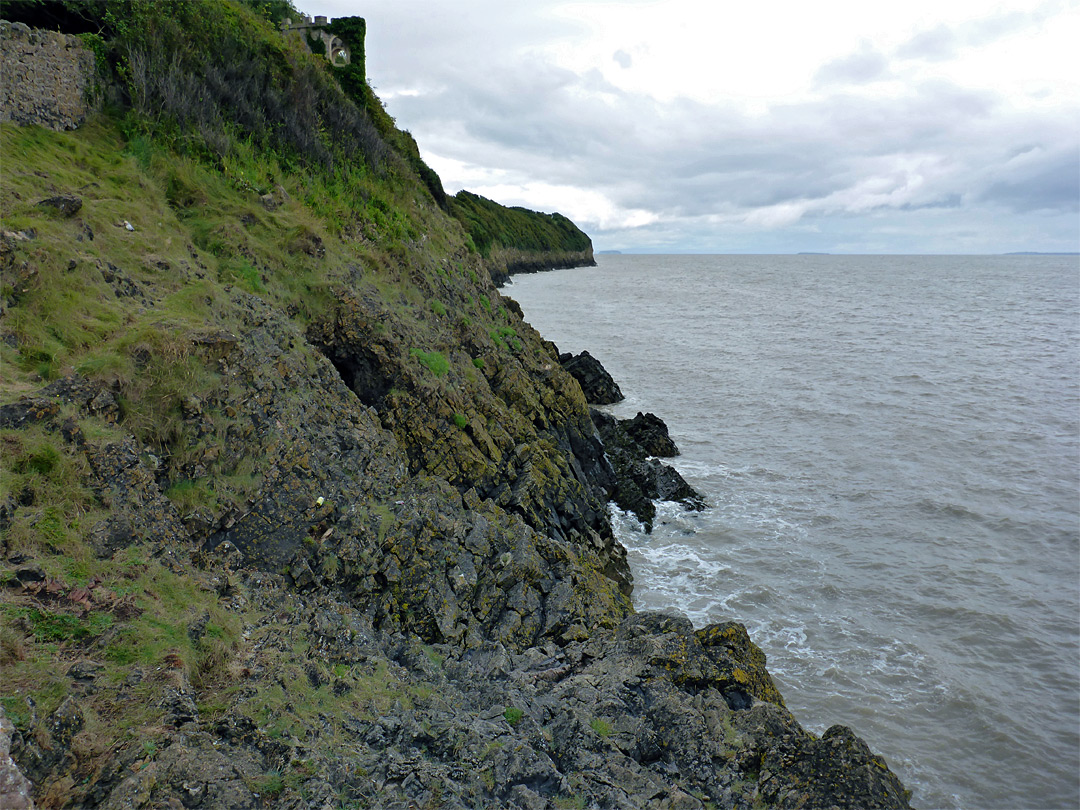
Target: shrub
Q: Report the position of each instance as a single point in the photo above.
(513, 716)
(460, 420)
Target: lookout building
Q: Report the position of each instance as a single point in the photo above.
(318, 39)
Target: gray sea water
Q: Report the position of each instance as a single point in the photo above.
(891, 448)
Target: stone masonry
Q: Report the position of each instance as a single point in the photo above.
(46, 77)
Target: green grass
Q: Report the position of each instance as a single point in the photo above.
(190, 495)
(49, 626)
(513, 715)
(601, 727)
(435, 362)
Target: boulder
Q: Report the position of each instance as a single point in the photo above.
(640, 480)
(650, 433)
(64, 205)
(597, 385)
(15, 788)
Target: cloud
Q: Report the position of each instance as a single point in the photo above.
(874, 148)
(936, 45)
(1037, 179)
(943, 42)
(857, 68)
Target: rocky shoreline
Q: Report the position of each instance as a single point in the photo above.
(297, 511)
(596, 707)
(507, 263)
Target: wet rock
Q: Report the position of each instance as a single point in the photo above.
(597, 385)
(641, 480)
(838, 770)
(649, 432)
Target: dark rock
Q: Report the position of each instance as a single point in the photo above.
(47, 748)
(30, 573)
(66, 205)
(641, 480)
(84, 670)
(179, 705)
(649, 432)
(522, 262)
(16, 791)
(27, 411)
(597, 385)
(839, 770)
(192, 772)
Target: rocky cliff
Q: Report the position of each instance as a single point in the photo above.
(297, 511)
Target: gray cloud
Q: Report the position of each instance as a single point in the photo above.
(942, 42)
(857, 68)
(935, 45)
(622, 59)
(912, 171)
(1038, 179)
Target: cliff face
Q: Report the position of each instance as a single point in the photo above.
(516, 240)
(297, 511)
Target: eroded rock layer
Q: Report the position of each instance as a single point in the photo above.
(297, 511)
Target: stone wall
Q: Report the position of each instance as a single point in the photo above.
(46, 78)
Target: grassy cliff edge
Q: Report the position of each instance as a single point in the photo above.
(296, 510)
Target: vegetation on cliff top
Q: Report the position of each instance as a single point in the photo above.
(493, 226)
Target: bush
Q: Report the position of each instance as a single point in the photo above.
(513, 716)
(203, 75)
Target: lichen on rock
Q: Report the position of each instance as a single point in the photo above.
(297, 511)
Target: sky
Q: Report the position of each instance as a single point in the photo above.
(922, 126)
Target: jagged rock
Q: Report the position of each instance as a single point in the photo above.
(46, 750)
(15, 788)
(597, 385)
(192, 771)
(396, 583)
(65, 205)
(641, 480)
(648, 431)
(839, 770)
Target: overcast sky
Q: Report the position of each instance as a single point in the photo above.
(920, 126)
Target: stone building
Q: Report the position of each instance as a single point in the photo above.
(318, 39)
(45, 78)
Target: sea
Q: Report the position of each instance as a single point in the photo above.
(890, 446)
